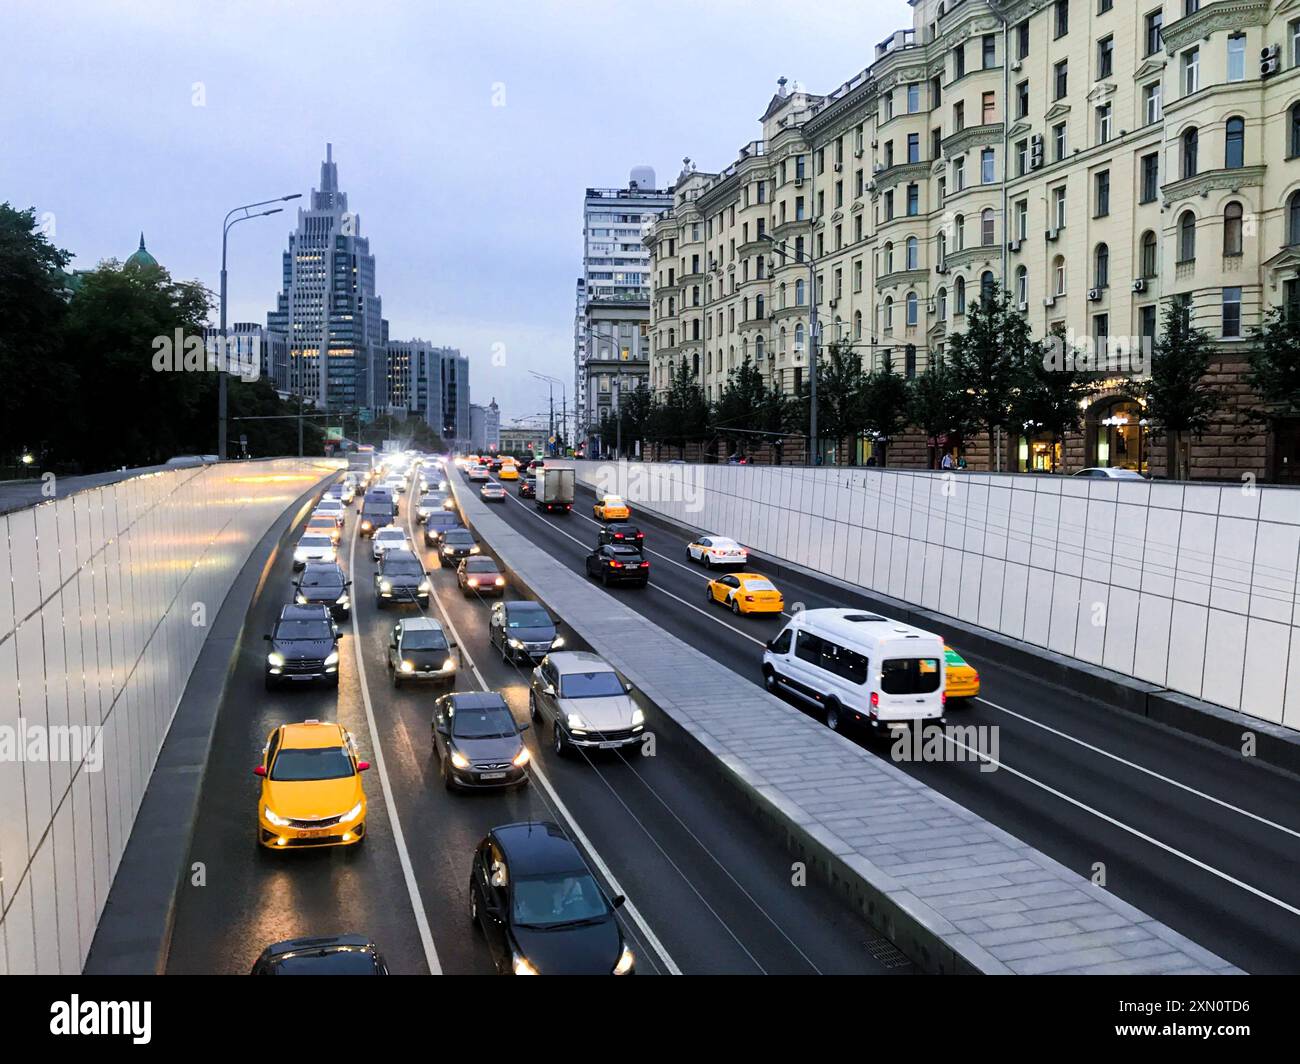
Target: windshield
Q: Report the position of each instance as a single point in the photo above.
(909, 676)
(590, 684)
(303, 630)
(403, 567)
(490, 722)
(322, 580)
(528, 617)
(429, 640)
(555, 900)
(316, 541)
(396, 536)
(480, 565)
(459, 537)
(325, 763)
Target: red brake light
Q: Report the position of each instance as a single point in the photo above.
(615, 564)
(362, 766)
(875, 699)
(749, 598)
(943, 698)
(260, 770)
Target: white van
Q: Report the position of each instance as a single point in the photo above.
(858, 666)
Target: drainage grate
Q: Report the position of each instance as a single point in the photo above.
(886, 953)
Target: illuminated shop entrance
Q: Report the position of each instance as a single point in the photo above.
(1118, 436)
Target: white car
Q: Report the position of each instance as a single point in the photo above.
(478, 472)
(427, 504)
(716, 550)
(492, 491)
(333, 507)
(314, 548)
(1109, 473)
(390, 537)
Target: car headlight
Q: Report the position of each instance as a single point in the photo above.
(515, 643)
(576, 721)
(449, 665)
(625, 962)
(448, 550)
(274, 818)
(557, 642)
(385, 585)
(408, 666)
(521, 966)
(300, 555)
(501, 581)
(474, 549)
(351, 814)
(302, 600)
(342, 600)
(637, 716)
(333, 658)
(459, 760)
(365, 526)
(425, 585)
(275, 658)
(520, 759)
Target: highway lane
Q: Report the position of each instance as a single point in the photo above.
(1206, 842)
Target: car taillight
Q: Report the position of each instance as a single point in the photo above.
(615, 564)
(645, 565)
(875, 699)
(943, 698)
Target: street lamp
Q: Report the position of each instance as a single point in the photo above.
(780, 248)
(243, 216)
(564, 398)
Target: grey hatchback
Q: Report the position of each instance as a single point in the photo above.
(478, 742)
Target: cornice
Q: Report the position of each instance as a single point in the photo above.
(982, 253)
(957, 143)
(1214, 17)
(896, 175)
(1229, 180)
(904, 278)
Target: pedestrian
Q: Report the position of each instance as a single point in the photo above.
(961, 461)
(947, 462)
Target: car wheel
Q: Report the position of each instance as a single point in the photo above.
(709, 596)
(445, 773)
(834, 716)
(473, 908)
(708, 562)
(532, 707)
(561, 747)
(689, 556)
(770, 679)
(735, 605)
(397, 679)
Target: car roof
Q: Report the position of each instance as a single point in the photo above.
(311, 735)
(566, 661)
(295, 612)
(853, 625)
(421, 624)
(538, 847)
(477, 700)
(292, 945)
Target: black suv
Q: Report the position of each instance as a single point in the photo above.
(528, 486)
(614, 563)
(324, 584)
(620, 533)
(438, 523)
(457, 543)
(304, 647)
(400, 577)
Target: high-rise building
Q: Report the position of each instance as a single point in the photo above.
(454, 370)
(328, 307)
(485, 426)
(246, 340)
(431, 383)
(614, 290)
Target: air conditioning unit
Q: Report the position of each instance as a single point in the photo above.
(1013, 245)
(798, 182)
(1017, 65)
(1035, 162)
(871, 186)
(1094, 294)
(1022, 306)
(834, 303)
(857, 153)
(839, 167)
(875, 143)
(1140, 284)
(1270, 60)
(1049, 301)
(930, 308)
(1053, 233)
(941, 268)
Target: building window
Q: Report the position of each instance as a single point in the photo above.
(1187, 237)
(1022, 157)
(1022, 219)
(959, 62)
(959, 296)
(959, 232)
(1231, 313)
(914, 147)
(1022, 99)
(913, 199)
(1237, 57)
(1151, 100)
(912, 253)
(1061, 78)
(1058, 275)
(1147, 323)
(1103, 123)
(1058, 206)
(1104, 6)
(1232, 228)
(987, 235)
(913, 98)
(958, 116)
(988, 108)
(1147, 255)
(1022, 40)
(1191, 71)
(1150, 177)
(986, 286)
(1105, 57)
(889, 313)
(1101, 267)
(1294, 136)
(958, 173)
(1101, 192)
(1062, 18)
(1022, 285)
(986, 166)
(1235, 143)
(911, 308)
(1154, 23)
(941, 304)
(1058, 141)
(1190, 140)
(988, 51)
(1293, 218)
(1294, 27)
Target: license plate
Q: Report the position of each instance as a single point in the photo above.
(301, 678)
(492, 775)
(609, 745)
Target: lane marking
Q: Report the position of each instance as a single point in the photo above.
(649, 937)
(403, 855)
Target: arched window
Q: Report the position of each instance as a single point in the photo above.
(889, 313)
(889, 257)
(857, 325)
(798, 338)
(1294, 137)
(708, 362)
(959, 296)
(780, 350)
(912, 253)
(1101, 266)
(941, 243)
(986, 285)
(780, 295)
(695, 363)
(911, 308)
(1148, 256)
(759, 353)
(986, 226)
(1232, 227)
(941, 302)
(1293, 218)
(959, 232)
(1058, 275)
(1190, 140)
(1022, 284)
(1186, 237)
(672, 337)
(1234, 156)
(731, 356)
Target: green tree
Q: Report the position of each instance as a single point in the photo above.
(936, 403)
(987, 358)
(1048, 389)
(741, 406)
(1179, 401)
(840, 383)
(684, 414)
(883, 406)
(1274, 371)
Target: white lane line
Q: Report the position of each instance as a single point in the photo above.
(403, 855)
(1142, 768)
(651, 939)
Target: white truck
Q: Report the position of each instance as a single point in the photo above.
(555, 484)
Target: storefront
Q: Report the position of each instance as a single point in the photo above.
(1116, 435)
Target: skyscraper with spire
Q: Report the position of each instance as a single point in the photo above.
(328, 307)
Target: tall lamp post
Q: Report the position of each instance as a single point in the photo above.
(779, 246)
(550, 387)
(233, 217)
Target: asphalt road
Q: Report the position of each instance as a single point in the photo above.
(708, 890)
(1206, 842)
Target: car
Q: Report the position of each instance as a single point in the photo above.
(429, 501)
(457, 543)
(540, 908)
(304, 647)
(528, 487)
(523, 630)
(397, 484)
(327, 955)
(348, 491)
(477, 742)
(314, 547)
(583, 699)
(508, 471)
(611, 508)
(323, 525)
(1110, 473)
(478, 472)
(324, 584)
(330, 507)
(375, 515)
(620, 533)
(616, 563)
(961, 680)
(480, 576)
(438, 522)
(400, 577)
(390, 537)
(311, 787)
(746, 593)
(492, 492)
(716, 550)
(418, 649)
(377, 499)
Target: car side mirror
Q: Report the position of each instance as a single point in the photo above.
(627, 687)
(617, 901)
(769, 643)
(260, 770)
(266, 638)
(347, 583)
(549, 690)
(524, 726)
(362, 766)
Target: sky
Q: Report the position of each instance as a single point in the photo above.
(465, 135)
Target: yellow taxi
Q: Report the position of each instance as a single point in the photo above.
(508, 470)
(311, 787)
(962, 680)
(746, 593)
(323, 526)
(611, 508)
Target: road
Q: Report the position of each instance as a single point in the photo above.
(708, 890)
(1206, 842)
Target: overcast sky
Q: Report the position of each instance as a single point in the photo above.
(474, 211)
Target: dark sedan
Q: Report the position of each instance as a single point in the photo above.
(621, 533)
(478, 742)
(528, 487)
(617, 564)
(419, 649)
(335, 955)
(324, 584)
(523, 630)
(456, 543)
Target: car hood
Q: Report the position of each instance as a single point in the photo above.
(502, 749)
(426, 657)
(532, 635)
(601, 714)
(590, 949)
(295, 649)
(309, 799)
(402, 579)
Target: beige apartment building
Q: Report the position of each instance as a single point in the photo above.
(1098, 158)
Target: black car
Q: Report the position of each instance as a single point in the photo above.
(540, 908)
(419, 649)
(457, 543)
(528, 487)
(304, 647)
(375, 514)
(335, 955)
(619, 532)
(615, 563)
(437, 523)
(400, 577)
(324, 584)
(478, 741)
(524, 630)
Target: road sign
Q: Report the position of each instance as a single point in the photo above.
(365, 416)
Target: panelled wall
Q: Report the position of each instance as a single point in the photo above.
(105, 598)
(1189, 586)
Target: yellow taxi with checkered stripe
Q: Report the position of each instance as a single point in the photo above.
(961, 678)
(746, 593)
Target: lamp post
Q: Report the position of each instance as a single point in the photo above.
(780, 248)
(233, 217)
(550, 388)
